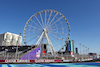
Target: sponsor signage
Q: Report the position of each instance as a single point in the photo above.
(66, 60)
(38, 53)
(47, 60)
(10, 61)
(17, 61)
(30, 61)
(35, 54)
(2, 60)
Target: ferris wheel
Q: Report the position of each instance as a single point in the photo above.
(47, 26)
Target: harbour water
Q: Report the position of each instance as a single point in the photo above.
(86, 64)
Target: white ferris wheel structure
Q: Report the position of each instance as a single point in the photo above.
(47, 26)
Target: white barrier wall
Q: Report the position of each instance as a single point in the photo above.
(10, 39)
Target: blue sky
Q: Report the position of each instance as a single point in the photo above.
(83, 17)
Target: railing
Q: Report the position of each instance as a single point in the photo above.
(8, 56)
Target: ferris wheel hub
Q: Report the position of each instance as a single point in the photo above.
(45, 30)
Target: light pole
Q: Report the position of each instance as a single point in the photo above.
(80, 51)
(16, 51)
(17, 54)
(80, 48)
(86, 51)
(83, 50)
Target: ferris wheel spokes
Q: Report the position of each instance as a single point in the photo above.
(53, 39)
(54, 25)
(60, 28)
(32, 39)
(41, 18)
(57, 37)
(49, 17)
(38, 21)
(57, 20)
(45, 16)
(58, 24)
(31, 35)
(59, 33)
(53, 18)
(34, 27)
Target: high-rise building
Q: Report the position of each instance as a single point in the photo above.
(8, 39)
(76, 49)
(70, 46)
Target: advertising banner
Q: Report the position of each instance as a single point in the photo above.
(31, 61)
(35, 54)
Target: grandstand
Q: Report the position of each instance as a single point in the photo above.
(15, 52)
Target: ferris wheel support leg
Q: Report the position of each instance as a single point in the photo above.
(50, 44)
(39, 40)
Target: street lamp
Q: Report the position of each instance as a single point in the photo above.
(17, 54)
(88, 50)
(83, 50)
(80, 51)
(80, 48)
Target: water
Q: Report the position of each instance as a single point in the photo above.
(89, 64)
